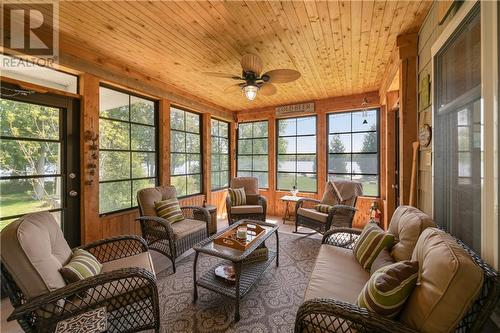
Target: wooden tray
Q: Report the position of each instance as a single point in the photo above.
(229, 239)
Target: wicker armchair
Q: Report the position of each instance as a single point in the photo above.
(340, 216)
(330, 315)
(124, 297)
(171, 240)
(256, 206)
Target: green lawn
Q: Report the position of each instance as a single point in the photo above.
(13, 204)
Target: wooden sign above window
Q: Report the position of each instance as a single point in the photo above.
(295, 109)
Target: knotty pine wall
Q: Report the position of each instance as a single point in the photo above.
(322, 109)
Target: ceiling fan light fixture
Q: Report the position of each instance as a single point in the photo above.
(250, 91)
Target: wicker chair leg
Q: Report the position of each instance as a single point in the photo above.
(173, 264)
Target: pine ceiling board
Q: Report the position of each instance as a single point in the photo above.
(341, 48)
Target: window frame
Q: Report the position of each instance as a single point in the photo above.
(130, 150)
(200, 133)
(351, 132)
(277, 136)
(221, 154)
(252, 155)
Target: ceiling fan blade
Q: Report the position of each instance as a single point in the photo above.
(268, 89)
(251, 63)
(233, 88)
(222, 75)
(282, 75)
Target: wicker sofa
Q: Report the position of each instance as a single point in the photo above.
(456, 290)
(122, 298)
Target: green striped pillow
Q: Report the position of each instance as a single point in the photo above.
(371, 241)
(169, 210)
(388, 288)
(238, 196)
(82, 265)
(322, 208)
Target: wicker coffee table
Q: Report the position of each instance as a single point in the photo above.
(246, 274)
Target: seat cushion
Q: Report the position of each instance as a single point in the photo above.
(170, 210)
(141, 260)
(337, 274)
(33, 250)
(331, 196)
(187, 227)
(449, 281)
(407, 223)
(313, 214)
(247, 209)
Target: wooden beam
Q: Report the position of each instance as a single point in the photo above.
(164, 142)
(89, 119)
(390, 157)
(206, 139)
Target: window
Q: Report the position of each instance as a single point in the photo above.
(127, 149)
(220, 154)
(353, 148)
(252, 151)
(296, 148)
(185, 152)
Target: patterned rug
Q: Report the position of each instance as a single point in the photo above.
(270, 306)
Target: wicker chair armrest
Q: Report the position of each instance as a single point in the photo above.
(228, 202)
(263, 202)
(341, 237)
(301, 202)
(196, 213)
(84, 295)
(330, 315)
(116, 247)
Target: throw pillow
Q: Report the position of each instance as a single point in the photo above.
(387, 290)
(323, 208)
(82, 265)
(383, 259)
(238, 196)
(169, 210)
(369, 244)
(332, 195)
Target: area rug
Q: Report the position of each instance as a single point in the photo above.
(270, 306)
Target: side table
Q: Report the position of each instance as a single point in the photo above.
(287, 216)
(213, 214)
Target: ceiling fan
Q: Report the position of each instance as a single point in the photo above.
(253, 81)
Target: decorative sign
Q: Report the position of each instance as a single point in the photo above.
(424, 135)
(295, 108)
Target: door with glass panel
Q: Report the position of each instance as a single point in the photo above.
(458, 130)
(39, 163)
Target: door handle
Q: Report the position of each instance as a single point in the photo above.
(73, 193)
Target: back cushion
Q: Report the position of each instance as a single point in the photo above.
(449, 281)
(33, 251)
(147, 197)
(407, 223)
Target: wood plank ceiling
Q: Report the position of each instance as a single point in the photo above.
(340, 47)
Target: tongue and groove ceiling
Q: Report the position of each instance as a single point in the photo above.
(340, 47)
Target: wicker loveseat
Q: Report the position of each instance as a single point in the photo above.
(445, 299)
(122, 298)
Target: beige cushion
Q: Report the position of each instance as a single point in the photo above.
(250, 184)
(252, 199)
(331, 197)
(141, 260)
(383, 259)
(407, 223)
(313, 214)
(187, 227)
(33, 251)
(147, 197)
(349, 190)
(337, 274)
(247, 209)
(449, 281)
